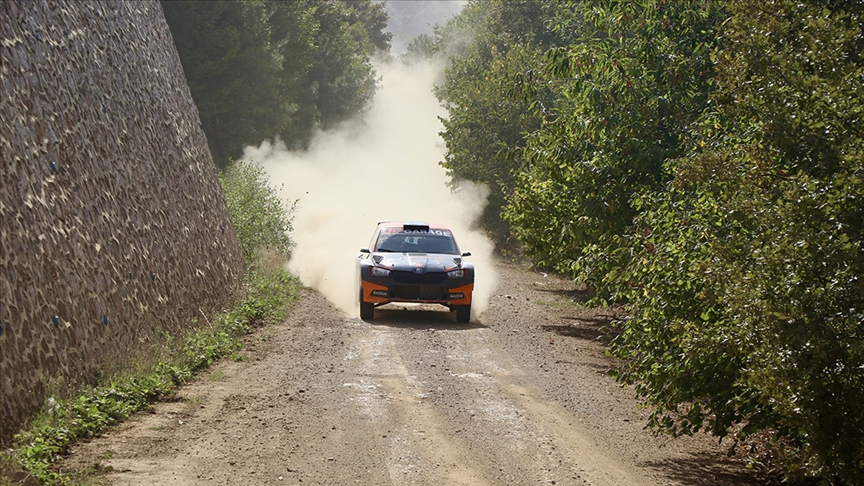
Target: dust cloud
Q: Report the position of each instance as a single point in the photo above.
(383, 168)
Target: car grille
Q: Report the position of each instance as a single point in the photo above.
(418, 292)
(434, 278)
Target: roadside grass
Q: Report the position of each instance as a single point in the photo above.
(268, 294)
(216, 375)
(131, 383)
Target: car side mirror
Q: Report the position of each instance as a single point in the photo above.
(365, 250)
(466, 254)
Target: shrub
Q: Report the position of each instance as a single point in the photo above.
(259, 216)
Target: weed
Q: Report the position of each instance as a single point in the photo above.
(269, 293)
(127, 385)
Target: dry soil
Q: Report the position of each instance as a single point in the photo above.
(519, 396)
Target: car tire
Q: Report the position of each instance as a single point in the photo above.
(463, 313)
(367, 310)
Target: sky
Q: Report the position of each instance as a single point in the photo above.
(410, 18)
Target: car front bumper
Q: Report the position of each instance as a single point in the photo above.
(385, 292)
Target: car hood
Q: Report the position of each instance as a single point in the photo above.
(411, 262)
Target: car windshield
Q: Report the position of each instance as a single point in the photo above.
(414, 243)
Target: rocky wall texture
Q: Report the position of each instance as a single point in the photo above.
(113, 226)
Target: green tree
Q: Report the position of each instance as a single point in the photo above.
(632, 79)
(258, 69)
(294, 30)
(342, 80)
(373, 17)
(747, 288)
(257, 212)
(422, 46)
(224, 48)
(488, 120)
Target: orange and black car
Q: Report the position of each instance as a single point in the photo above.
(415, 262)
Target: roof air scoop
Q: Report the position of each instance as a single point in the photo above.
(415, 226)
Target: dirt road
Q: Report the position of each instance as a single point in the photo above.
(519, 397)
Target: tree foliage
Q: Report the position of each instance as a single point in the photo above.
(756, 274)
(491, 45)
(628, 86)
(257, 213)
(224, 50)
(259, 69)
(702, 162)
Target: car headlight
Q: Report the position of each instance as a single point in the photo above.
(379, 272)
(456, 273)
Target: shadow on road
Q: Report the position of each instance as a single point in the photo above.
(705, 469)
(420, 318)
(588, 329)
(574, 295)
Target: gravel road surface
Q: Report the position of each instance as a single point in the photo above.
(519, 396)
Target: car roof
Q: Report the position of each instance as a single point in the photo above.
(397, 224)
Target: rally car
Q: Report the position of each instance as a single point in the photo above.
(414, 262)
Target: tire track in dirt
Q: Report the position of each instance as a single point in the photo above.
(519, 397)
(510, 428)
(552, 426)
(421, 444)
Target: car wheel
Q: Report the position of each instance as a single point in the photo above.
(463, 313)
(367, 310)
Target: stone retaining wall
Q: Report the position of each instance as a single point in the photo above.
(113, 226)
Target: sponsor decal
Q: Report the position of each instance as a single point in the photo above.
(425, 232)
(400, 231)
